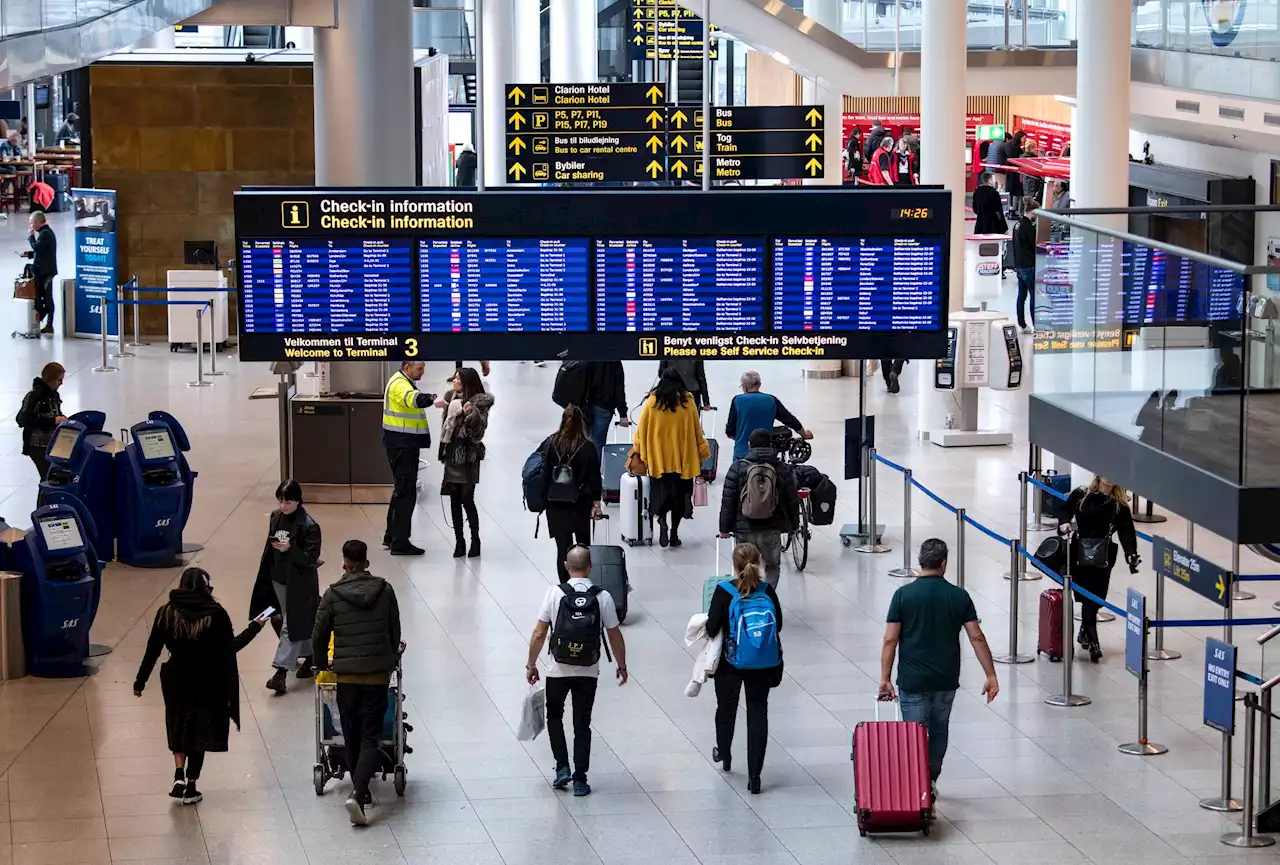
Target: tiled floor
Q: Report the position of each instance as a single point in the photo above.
(84, 771)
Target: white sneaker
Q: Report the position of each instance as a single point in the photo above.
(356, 811)
(1025, 330)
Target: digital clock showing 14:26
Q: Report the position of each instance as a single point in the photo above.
(912, 212)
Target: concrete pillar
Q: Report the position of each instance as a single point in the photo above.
(574, 53)
(498, 69)
(1100, 163)
(161, 40)
(364, 96)
(943, 64)
(526, 24)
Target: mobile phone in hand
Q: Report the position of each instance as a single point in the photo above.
(264, 615)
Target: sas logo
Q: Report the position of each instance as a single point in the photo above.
(163, 522)
(988, 268)
(67, 624)
(1225, 18)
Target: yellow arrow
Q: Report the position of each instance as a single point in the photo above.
(516, 119)
(653, 119)
(679, 118)
(1221, 587)
(653, 169)
(654, 93)
(678, 168)
(814, 141)
(653, 143)
(516, 95)
(814, 117)
(813, 166)
(638, 26)
(517, 170)
(679, 143)
(517, 144)
(639, 40)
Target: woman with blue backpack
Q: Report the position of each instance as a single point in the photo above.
(747, 611)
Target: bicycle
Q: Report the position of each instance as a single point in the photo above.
(795, 451)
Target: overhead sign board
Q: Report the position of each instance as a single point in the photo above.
(1196, 573)
(766, 142)
(665, 30)
(579, 133)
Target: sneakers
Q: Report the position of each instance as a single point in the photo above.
(278, 680)
(355, 811)
(563, 777)
(407, 550)
(190, 795)
(581, 788)
(179, 784)
(893, 383)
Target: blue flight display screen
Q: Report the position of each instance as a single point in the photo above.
(693, 285)
(497, 285)
(1163, 289)
(326, 286)
(863, 283)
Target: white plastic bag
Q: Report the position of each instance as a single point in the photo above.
(533, 714)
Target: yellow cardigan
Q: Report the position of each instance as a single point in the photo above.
(671, 441)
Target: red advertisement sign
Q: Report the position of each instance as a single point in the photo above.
(899, 123)
(1052, 137)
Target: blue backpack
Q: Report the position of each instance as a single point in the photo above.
(535, 479)
(752, 641)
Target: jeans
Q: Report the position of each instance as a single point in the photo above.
(363, 709)
(769, 543)
(404, 495)
(729, 682)
(933, 709)
(598, 420)
(583, 689)
(288, 650)
(1026, 294)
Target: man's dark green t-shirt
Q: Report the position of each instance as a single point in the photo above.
(932, 613)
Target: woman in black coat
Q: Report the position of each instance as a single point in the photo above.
(200, 680)
(289, 580)
(1100, 512)
(40, 413)
(569, 522)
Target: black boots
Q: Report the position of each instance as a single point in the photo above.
(459, 545)
(277, 681)
(474, 552)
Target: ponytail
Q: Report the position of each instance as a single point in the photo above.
(747, 568)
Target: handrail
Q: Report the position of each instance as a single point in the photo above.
(1269, 636)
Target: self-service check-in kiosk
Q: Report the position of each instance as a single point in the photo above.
(183, 444)
(984, 350)
(150, 498)
(82, 464)
(61, 586)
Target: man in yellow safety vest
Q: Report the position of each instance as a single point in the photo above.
(404, 433)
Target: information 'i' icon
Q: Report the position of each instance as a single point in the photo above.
(295, 214)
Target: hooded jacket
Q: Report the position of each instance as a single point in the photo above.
(202, 652)
(361, 614)
(38, 416)
(786, 516)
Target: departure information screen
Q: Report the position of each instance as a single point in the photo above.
(503, 286)
(868, 283)
(326, 286)
(595, 274)
(679, 285)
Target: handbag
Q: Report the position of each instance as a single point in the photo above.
(24, 287)
(700, 496)
(1096, 552)
(635, 465)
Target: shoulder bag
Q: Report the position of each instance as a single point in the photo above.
(1096, 552)
(24, 287)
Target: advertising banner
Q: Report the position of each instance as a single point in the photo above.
(1053, 138)
(96, 281)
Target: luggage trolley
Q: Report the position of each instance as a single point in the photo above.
(330, 744)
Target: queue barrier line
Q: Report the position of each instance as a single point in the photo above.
(1075, 587)
(890, 464)
(1256, 578)
(1211, 623)
(931, 494)
(1003, 541)
(1143, 536)
(135, 303)
(1248, 677)
(112, 302)
(1062, 497)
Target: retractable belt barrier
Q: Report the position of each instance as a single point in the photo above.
(204, 306)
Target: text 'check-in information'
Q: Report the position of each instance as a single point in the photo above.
(578, 133)
(766, 142)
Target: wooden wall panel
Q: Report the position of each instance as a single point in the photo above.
(175, 142)
(771, 83)
(1041, 108)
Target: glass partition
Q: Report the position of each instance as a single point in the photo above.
(1231, 28)
(1157, 343)
(872, 24)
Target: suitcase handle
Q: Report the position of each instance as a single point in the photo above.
(607, 536)
(878, 701)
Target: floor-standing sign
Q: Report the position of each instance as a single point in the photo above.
(95, 211)
(1220, 685)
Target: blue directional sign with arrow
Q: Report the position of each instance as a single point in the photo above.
(1196, 573)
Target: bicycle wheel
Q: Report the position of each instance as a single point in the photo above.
(800, 538)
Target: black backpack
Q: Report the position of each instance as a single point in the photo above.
(571, 384)
(563, 486)
(578, 632)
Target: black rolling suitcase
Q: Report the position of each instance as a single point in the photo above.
(609, 571)
(61, 185)
(613, 465)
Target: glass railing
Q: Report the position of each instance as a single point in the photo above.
(31, 16)
(880, 25)
(1167, 346)
(1250, 30)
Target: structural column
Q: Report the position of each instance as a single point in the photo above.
(943, 66)
(1099, 165)
(575, 56)
(364, 96)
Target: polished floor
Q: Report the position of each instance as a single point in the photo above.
(84, 771)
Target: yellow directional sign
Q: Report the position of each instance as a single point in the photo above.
(678, 168)
(654, 119)
(670, 32)
(517, 171)
(655, 94)
(679, 143)
(814, 141)
(653, 143)
(766, 142)
(517, 144)
(814, 116)
(515, 95)
(813, 166)
(653, 169)
(679, 119)
(515, 121)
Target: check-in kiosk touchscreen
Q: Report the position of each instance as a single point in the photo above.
(64, 443)
(156, 444)
(61, 534)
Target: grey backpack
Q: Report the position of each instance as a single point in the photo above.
(758, 491)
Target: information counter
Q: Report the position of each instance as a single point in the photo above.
(336, 449)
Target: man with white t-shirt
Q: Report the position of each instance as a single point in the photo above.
(578, 616)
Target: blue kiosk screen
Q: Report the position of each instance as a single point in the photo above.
(327, 286)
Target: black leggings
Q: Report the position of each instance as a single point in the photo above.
(730, 681)
(568, 526)
(464, 499)
(195, 762)
(1097, 581)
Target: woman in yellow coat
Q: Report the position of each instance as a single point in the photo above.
(669, 439)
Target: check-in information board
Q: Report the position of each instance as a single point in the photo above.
(437, 275)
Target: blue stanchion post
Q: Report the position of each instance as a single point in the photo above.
(905, 572)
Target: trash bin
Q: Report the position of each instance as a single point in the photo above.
(13, 661)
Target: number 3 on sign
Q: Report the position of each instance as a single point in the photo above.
(410, 347)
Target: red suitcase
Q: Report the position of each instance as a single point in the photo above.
(891, 776)
(1050, 639)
